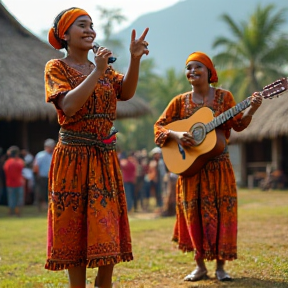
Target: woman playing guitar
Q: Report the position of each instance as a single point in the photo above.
(206, 200)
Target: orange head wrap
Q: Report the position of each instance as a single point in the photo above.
(66, 20)
(204, 59)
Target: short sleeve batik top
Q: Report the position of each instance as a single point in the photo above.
(98, 113)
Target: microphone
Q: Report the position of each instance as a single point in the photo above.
(110, 59)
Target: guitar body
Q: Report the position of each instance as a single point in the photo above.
(197, 156)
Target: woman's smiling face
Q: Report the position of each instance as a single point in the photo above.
(196, 72)
(81, 33)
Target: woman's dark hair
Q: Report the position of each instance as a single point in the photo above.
(55, 24)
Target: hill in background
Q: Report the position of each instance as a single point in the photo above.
(188, 26)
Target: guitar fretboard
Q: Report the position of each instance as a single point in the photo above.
(228, 114)
(276, 88)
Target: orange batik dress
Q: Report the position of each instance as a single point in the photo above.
(206, 220)
(87, 214)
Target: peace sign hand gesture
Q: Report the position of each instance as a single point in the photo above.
(138, 47)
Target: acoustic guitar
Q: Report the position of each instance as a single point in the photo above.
(210, 142)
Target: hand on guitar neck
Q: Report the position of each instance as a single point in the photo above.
(185, 139)
(256, 101)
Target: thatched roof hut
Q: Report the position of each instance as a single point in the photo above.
(133, 108)
(22, 60)
(270, 121)
(262, 146)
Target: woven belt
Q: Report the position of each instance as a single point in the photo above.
(67, 137)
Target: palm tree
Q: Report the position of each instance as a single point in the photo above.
(109, 18)
(256, 54)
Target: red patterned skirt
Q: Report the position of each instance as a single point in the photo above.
(207, 211)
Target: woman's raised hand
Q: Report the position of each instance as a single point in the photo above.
(138, 47)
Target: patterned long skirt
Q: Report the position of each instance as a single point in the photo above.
(207, 211)
(87, 214)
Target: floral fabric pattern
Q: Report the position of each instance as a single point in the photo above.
(87, 213)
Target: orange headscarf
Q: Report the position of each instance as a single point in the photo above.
(204, 59)
(66, 20)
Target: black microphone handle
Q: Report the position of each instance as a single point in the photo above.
(110, 59)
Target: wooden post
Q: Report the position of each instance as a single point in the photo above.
(276, 153)
(24, 135)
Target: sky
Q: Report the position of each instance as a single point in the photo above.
(38, 15)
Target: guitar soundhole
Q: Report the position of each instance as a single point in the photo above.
(198, 132)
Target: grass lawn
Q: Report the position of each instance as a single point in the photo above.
(262, 250)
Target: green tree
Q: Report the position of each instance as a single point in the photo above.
(109, 17)
(169, 86)
(138, 133)
(255, 55)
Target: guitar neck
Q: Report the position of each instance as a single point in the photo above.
(276, 88)
(228, 114)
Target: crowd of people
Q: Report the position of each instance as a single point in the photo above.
(147, 182)
(24, 177)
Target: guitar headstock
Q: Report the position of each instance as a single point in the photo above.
(275, 89)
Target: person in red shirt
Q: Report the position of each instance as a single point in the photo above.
(128, 168)
(14, 180)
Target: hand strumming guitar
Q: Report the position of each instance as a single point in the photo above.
(185, 139)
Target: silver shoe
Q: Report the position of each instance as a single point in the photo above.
(196, 275)
(222, 275)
